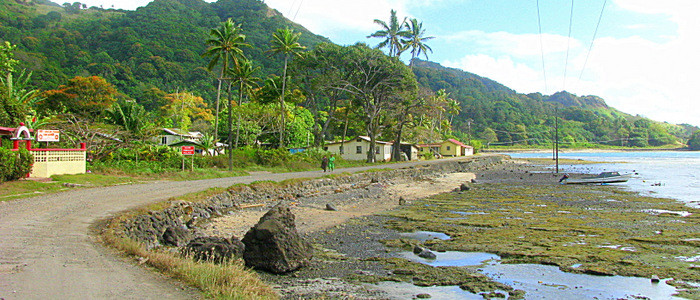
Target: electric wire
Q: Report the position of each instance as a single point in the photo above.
(298, 9)
(568, 43)
(595, 33)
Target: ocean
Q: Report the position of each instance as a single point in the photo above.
(666, 174)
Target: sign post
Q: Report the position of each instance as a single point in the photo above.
(187, 150)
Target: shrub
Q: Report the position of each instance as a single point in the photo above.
(14, 164)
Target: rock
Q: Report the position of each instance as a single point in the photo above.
(423, 252)
(424, 296)
(215, 249)
(464, 187)
(474, 179)
(176, 236)
(274, 244)
(427, 254)
(330, 207)
(402, 201)
(655, 279)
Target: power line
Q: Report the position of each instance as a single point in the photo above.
(539, 26)
(590, 48)
(568, 43)
(298, 9)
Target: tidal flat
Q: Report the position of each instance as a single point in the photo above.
(519, 213)
(588, 229)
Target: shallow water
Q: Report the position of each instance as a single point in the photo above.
(548, 282)
(671, 174)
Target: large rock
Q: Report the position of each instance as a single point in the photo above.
(176, 236)
(214, 249)
(274, 244)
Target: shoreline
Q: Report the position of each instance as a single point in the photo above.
(354, 254)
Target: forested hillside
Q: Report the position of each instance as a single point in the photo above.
(499, 115)
(159, 45)
(150, 65)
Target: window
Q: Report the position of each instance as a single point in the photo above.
(448, 148)
(377, 150)
(164, 140)
(359, 149)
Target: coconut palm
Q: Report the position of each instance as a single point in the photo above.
(392, 34)
(225, 45)
(415, 40)
(242, 75)
(286, 42)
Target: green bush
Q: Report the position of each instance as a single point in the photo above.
(14, 164)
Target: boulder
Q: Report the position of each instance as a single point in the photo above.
(176, 236)
(274, 244)
(331, 207)
(215, 249)
(424, 252)
(464, 187)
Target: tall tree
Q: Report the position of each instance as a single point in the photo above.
(286, 42)
(86, 97)
(375, 82)
(415, 40)
(242, 74)
(392, 33)
(225, 45)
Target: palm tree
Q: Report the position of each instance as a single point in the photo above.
(285, 42)
(225, 44)
(415, 40)
(241, 74)
(392, 34)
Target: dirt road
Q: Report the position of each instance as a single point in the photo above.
(46, 251)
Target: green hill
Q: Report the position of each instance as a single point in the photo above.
(161, 45)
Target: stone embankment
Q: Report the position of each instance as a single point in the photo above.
(177, 224)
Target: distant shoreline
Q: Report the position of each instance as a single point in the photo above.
(582, 150)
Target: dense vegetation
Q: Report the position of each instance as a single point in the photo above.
(246, 76)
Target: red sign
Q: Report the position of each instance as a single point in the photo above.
(48, 135)
(187, 150)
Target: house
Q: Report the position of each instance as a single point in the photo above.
(452, 147)
(449, 147)
(409, 151)
(356, 149)
(173, 135)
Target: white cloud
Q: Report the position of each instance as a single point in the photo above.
(330, 18)
(633, 74)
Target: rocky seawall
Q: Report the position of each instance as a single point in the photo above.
(176, 225)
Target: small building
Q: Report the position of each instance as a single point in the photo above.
(170, 136)
(356, 149)
(449, 148)
(452, 147)
(409, 151)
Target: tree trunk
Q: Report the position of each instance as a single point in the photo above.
(230, 127)
(282, 107)
(238, 114)
(396, 151)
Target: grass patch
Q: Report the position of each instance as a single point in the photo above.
(604, 229)
(229, 280)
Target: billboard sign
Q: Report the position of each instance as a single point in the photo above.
(187, 150)
(48, 135)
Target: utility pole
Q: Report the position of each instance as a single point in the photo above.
(556, 138)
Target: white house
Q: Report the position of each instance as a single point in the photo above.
(356, 149)
(173, 135)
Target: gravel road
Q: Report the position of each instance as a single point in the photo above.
(47, 251)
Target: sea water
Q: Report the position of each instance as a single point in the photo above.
(668, 174)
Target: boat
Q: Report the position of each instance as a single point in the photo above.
(605, 177)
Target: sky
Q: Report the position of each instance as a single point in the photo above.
(643, 59)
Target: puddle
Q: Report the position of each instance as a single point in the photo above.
(404, 290)
(663, 211)
(425, 235)
(453, 258)
(547, 282)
